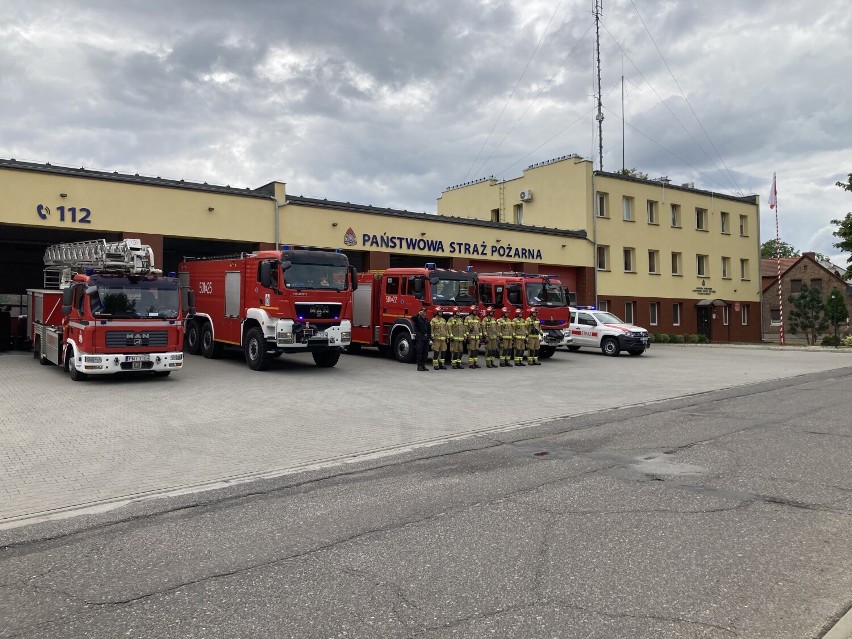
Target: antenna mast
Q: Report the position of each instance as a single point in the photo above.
(600, 115)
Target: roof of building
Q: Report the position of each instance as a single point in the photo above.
(769, 268)
(690, 187)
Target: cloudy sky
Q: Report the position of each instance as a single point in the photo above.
(389, 102)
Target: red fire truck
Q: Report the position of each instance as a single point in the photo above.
(385, 301)
(270, 303)
(525, 291)
(105, 309)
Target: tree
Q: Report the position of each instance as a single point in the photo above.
(767, 249)
(808, 314)
(836, 311)
(844, 227)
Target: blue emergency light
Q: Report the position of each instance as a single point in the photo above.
(90, 271)
(172, 274)
(469, 268)
(430, 266)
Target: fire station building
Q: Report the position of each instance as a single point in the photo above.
(671, 258)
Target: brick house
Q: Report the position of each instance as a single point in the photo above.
(795, 271)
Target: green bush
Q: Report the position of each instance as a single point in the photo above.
(848, 342)
(830, 340)
(676, 339)
(702, 339)
(661, 338)
(689, 339)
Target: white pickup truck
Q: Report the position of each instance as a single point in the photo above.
(599, 329)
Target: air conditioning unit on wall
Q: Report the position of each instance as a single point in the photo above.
(526, 195)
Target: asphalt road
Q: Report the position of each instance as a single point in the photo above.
(719, 514)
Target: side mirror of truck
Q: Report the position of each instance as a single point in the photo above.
(353, 273)
(418, 286)
(265, 274)
(190, 302)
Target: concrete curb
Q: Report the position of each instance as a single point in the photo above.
(842, 629)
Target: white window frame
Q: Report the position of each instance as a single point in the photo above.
(702, 264)
(744, 313)
(628, 212)
(629, 254)
(603, 305)
(628, 312)
(519, 213)
(676, 221)
(726, 268)
(700, 219)
(726, 315)
(676, 314)
(603, 251)
(725, 222)
(775, 321)
(654, 313)
(653, 262)
(653, 212)
(744, 274)
(743, 226)
(677, 256)
(603, 204)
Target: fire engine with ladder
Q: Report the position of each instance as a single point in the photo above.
(525, 291)
(269, 303)
(386, 300)
(105, 309)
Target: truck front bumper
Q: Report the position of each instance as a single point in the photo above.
(103, 364)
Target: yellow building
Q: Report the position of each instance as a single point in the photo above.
(610, 238)
(671, 258)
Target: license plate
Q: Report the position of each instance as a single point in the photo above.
(137, 358)
(321, 335)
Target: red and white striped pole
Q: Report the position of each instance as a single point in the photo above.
(773, 204)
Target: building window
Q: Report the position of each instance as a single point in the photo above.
(726, 317)
(654, 262)
(744, 274)
(676, 314)
(701, 219)
(744, 314)
(628, 312)
(817, 283)
(603, 205)
(654, 313)
(775, 317)
(726, 268)
(603, 305)
(743, 226)
(676, 216)
(653, 212)
(603, 258)
(519, 213)
(495, 215)
(725, 220)
(629, 260)
(676, 264)
(701, 265)
(627, 206)
(795, 286)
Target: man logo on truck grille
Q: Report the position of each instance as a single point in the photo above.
(319, 311)
(137, 339)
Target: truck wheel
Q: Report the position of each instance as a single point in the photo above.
(610, 347)
(257, 357)
(403, 348)
(636, 351)
(546, 352)
(209, 348)
(326, 359)
(573, 349)
(193, 338)
(76, 375)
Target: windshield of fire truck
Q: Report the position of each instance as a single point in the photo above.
(456, 291)
(316, 276)
(125, 297)
(540, 294)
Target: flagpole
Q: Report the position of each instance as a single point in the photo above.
(773, 204)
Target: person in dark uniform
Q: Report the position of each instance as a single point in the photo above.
(422, 336)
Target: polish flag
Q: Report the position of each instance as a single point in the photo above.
(773, 194)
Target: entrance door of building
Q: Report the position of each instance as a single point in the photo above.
(704, 315)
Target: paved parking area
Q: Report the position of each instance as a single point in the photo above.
(70, 445)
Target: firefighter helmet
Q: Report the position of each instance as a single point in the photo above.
(473, 308)
(505, 310)
(490, 309)
(533, 310)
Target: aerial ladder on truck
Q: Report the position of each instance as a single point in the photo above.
(104, 309)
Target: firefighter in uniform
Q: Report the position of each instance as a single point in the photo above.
(519, 329)
(533, 337)
(473, 331)
(422, 334)
(439, 340)
(504, 327)
(491, 330)
(455, 329)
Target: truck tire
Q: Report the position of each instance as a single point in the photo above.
(636, 351)
(609, 346)
(193, 338)
(209, 348)
(76, 375)
(573, 349)
(326, 359)
(403, 347)
(546, 352)
(257, 356)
